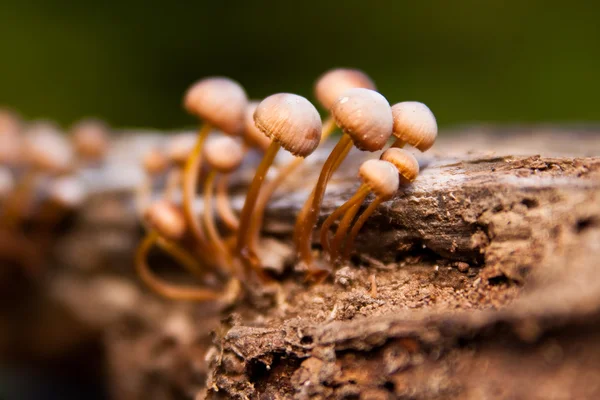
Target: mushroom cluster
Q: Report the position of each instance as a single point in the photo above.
(40, 183)
(225, 243)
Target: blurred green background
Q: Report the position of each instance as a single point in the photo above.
(131, 61)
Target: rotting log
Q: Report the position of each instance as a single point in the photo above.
(480, 280)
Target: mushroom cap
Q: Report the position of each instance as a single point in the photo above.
(290, 120)
(67, 191)
(380, 176)
(10, 147)
(219, 101)
(404, 161)
(223, 153)
(154, 162)
(415, 124)
(366, 116)
(180, 146)
(166, 219)
(253, 136)
(336, 81)
(47, 149)
(90, 139)
(10, 122)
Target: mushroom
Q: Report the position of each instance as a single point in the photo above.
(167, 226)
(407, 166)
(328, 88)
(224, 155)
(154, 163)
(219, 102)
(90, 140)
(293, 123)
(10, 138)
(407, 170)
(415, 124)
(178, 150)
(365, 117)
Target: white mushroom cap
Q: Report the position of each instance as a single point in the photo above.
(223, 153)
(415, 124)
(219, 101)
(333, 83)
(290, 120)
(366, 116)
(404, 161)
(253, 136)
(380, 176)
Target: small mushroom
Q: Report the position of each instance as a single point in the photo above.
(365, 117)
(224, 155)
(407, 170)
(415, 124)
(178, 150)
(220, 103)
(91, 140)
(328, 88)
(155, 164)
(167, 226)
(293, 123)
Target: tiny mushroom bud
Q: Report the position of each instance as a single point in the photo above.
(154, 162)
(382, 178)
(293, 123)
(224, 155)
(415, 124)
(365, 117)
(166, 219)
(219, 102)
(91, 139)
(406, 164)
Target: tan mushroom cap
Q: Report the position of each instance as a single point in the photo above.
(253, 137)
(166, 219)
(415, 124)
(223, 153)
(10, 148)
(180, 146)
(290, 120)
(366, 116)
(67, 191)
(10, 122)
(380, 176)
(334, 82)
(219, 101)
(155, 162)
(90, 139)
(7, 182)
(47, 149)
(404, 161)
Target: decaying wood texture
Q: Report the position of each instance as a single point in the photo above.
(480, 280)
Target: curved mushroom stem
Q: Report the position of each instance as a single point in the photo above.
(223, 256)
(307, 219)
(359, 224)
(243, 250)
(190, 181)
(165, 289)
(399, 143)
(182, 256)
(270, 187)
(224, 208)
(344, 210)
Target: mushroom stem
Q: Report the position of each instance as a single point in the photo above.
(165, 289)
(224, 208)
(223, 256)
(398, 143)
(182, 256)
(243, 248)
(190, 181)
(270, 187)
(359, 224)
(306, 223)
(357, 198)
